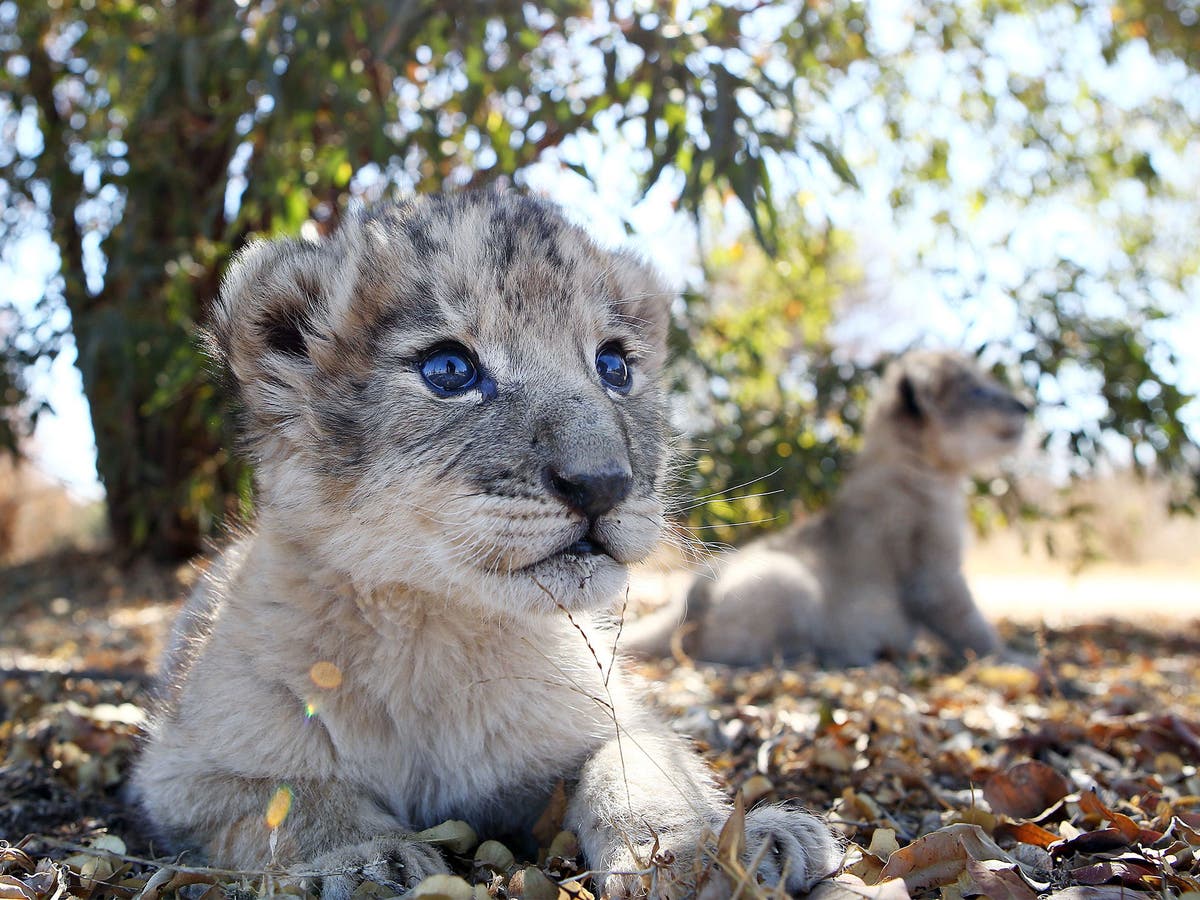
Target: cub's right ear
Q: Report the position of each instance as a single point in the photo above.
(269, 297)
(270, 326)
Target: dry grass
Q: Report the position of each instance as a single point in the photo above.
(39, 517)
(1122, 522)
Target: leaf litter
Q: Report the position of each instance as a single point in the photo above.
(1074, 777)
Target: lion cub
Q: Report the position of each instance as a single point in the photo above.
(456, 411)
(853, 583)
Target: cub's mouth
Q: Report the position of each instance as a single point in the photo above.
(586, 546)
(588, 551)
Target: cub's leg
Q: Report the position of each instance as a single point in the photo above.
(326, 830)
(942, 602)
(653, 781)
(764, 604)
(863, 623)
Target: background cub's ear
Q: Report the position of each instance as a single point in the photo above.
(909, 404)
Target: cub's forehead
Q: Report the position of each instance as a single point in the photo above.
(494, 266)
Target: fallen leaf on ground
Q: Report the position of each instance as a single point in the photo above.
(1025, 789)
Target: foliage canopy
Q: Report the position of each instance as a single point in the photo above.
(151, 140)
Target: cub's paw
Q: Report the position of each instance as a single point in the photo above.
(666, 875)
(791, 845)
(786, 844)
(395, 861)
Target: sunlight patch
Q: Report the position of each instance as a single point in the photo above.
(279, 807)
(325, 675)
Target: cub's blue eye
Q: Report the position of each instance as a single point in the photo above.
(449, 369)
(613, 368)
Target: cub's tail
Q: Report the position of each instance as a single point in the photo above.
(657, 633)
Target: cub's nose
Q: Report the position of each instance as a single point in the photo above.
(592, 493)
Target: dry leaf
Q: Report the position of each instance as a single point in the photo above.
(1026, 833)
(941, 857)
(998, 881)
(14, 889)
(1091, 804)
(732, 841)
(755, 788)
(565, 846)
(1116, 871)
(495, 855)
(455, 835)
(551, 820)
(1025, 789)
(849, 887)
(443, 887)
(531, 884)
(1102, 840)
(883, 843)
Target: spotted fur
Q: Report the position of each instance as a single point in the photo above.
(417, 547)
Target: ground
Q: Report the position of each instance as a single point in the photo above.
(1072, 776)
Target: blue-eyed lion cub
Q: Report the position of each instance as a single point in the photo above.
(457, 416)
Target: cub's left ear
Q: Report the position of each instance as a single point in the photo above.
(909, 403)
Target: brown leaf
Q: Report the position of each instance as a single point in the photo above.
(1100, 841)
(941, 857)
(1091, 804)
(1185, 831)
(15, 889)
(1025, 789)
(550, 822)
(1116, 871)
(1001, 883)
(1026, 833)
(16, 858)
(1091, 893)
(443, 887)
(732, 841)
(531, 883)
(848, 887)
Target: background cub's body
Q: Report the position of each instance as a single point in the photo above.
(457, 419)
(855, 582)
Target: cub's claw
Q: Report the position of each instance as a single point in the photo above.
(789, 841)
(786, 844)
(395, 861)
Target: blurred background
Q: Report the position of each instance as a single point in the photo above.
(827, 183)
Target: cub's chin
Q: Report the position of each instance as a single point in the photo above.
(580, 576)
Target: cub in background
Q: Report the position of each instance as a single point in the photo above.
(854, 583)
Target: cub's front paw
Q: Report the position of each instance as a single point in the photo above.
(790, 845)
(665, 874)
(395, 861)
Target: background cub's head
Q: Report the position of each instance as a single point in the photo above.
(460, 393)
(947, 411)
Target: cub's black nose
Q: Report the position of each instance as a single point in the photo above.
(592, 493)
